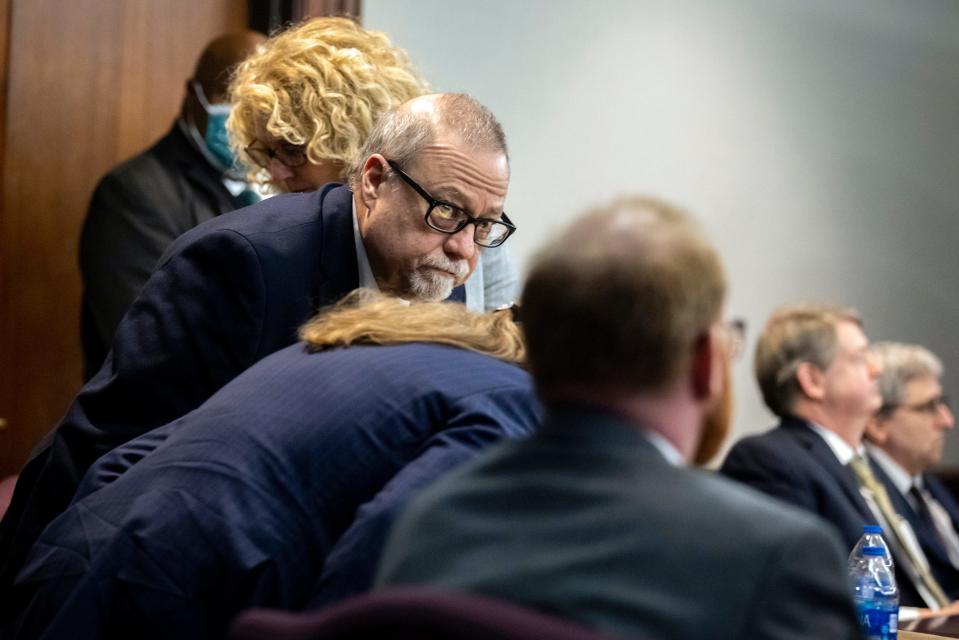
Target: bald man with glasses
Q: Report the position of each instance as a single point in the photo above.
(426, 196)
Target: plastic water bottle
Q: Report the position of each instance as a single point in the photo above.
(876, 595)
(871, 537)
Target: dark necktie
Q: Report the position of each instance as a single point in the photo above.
(925, 515)
(860, 467)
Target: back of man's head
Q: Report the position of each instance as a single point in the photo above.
(793, 335)
(619, 300)
(215, 66)
(401, 133)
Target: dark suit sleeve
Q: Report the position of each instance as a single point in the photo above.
(195, 326)
(765, 467)
(128, 227)
(804, 592)
(351, 565)
(115, 463)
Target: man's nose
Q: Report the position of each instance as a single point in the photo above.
(279, 171)
(946, 419)
(875, 366)
(460, 245)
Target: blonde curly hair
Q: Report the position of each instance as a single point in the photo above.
(322, 84)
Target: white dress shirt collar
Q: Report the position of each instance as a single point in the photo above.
(899, 476)
(839, 447)
(665, 447)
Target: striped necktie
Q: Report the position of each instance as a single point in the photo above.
(919, 568)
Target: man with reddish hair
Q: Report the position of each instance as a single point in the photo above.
(597, 517)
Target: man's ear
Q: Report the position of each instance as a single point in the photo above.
(704, 376)
(375, 171)
(810, 379)
(876, 431)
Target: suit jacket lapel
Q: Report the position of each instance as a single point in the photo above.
(214, 188)
(928, 540)
(197, 170)
(339, 273)
(811, 441)
(943, 496)
(458, 295)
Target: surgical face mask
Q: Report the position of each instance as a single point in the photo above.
(215, 138)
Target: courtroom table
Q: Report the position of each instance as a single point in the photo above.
(928, 628)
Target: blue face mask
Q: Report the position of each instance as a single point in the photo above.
(216, 139)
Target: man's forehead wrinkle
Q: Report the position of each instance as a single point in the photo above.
(464, 167)
(446, 192)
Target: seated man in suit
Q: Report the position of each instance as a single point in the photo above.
(905, 439)
(144, 204)
(817, 374)
(427, 193)
(285, 481)
(596, 517)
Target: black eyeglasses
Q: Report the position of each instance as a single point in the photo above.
(445, 217)
(290, 155)
(929, 407)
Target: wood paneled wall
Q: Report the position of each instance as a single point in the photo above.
(87, 83)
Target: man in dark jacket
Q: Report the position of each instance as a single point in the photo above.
(141, 206)
(905, 440)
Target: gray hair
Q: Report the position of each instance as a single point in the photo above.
(401, 134)
(902, 363)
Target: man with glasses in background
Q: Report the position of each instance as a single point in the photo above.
(905, 439)
(817, 373)
(427, 196)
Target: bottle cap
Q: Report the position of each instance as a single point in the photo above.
(872, 551)
(872, 528)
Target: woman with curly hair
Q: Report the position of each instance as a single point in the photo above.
(304, 104)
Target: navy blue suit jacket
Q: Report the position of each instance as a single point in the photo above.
(224, 295)
(794, 464)
(287, 476)
(939, 562)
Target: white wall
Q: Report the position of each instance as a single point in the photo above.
(817, 139)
